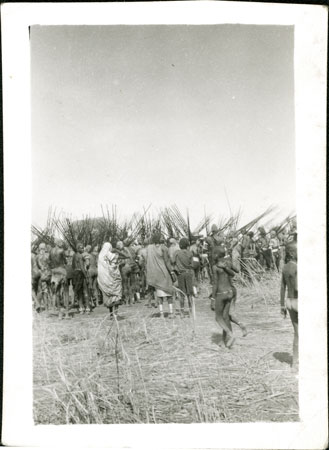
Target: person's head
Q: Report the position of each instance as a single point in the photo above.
(107, 247)
(261, 231)
(214, 229)
(59, 243)
(80, 247)
(172, 241)
(183, 244)
(291, 252)
(42, 247)
(273, 233)
(88, 248)
(250, 234)
(96, 248)
(156, 238)
(119, 245)
(126, 242)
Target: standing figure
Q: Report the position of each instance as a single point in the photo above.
(196, 262)
(141, 261)
(205, 269)
(274, 246)
(211, 242)
(265, 255)
(282, 237)
(91, 270)
(159, 272)
(58, 280)
(290, 303)
(183, 262)
(222, 295)
(109, 278)
(131, 251)
(236, 251)
(35, 276)
(125, 265)
(43, 263)
(248, 246)
(69, 253)
(97, 294)
(80, 280)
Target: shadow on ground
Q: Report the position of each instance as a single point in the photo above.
(283, 357)
(217, 338)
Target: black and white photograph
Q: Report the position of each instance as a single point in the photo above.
(164, 186)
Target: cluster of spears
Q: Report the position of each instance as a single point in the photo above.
(62, 288)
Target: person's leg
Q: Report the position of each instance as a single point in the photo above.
(277, 261)
(93, 289)
(129, 288)
(143, 283)
(66, 298)
(294, 320)
(160, 302)
(44, 288)
(232, 315)
(136, 286)
(181, 303)
(269, 259)
(181, 286)
(226, 317)
(190, 287)
(125, 282)
(170, 305)
(86, 296)
(221, 300)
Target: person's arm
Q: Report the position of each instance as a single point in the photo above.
(166, 258)
(168, 263)
(282, 296)
(191, 260)
(234, 267)
(215, 271)
(228, 270)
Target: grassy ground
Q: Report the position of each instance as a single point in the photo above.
(145, 369)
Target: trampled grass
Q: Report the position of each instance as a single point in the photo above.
(145, 369)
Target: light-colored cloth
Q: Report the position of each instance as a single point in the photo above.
(109, 278)
(58, 275)
(160, 293)
(157, 274)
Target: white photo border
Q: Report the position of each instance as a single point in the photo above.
(310, 24)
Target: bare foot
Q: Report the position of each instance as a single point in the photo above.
(230, 341)
(244, 331)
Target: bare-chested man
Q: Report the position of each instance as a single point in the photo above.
(58, 280)
(223, 293)
(80, 280)
(290, 303)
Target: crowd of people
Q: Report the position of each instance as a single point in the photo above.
(158, 269)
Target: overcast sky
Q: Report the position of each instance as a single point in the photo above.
(133, 115)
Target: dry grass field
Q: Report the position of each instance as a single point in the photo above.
(142, 368)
